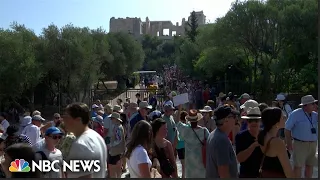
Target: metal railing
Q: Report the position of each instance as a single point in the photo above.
(111, 96)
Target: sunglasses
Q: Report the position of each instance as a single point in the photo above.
(55, 137)
(57, 117)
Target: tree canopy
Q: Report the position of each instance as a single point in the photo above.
(260, 47)
(67, 60)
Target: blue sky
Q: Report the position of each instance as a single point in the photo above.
(37, 14)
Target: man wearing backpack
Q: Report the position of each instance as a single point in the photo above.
(46, 150)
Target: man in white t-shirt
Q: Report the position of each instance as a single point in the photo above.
(4, 124)
(33, 129)
(88, 145)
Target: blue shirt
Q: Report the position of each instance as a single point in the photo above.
(135, 119)
(93, 114)
(172, 128)
(299, 123)
(180, 143)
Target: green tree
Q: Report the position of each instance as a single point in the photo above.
(127, 57)
(17, 55)
(191, 28)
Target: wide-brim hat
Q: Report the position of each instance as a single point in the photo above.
(308, 99)
(193, 116)
(144, 105)
(116, 116)
(252, 113)
(206, 109)
(249, 103)
(117, 108)
(221, 94)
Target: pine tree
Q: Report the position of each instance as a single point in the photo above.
(191, 28)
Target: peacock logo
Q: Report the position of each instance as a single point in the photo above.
(19, 165)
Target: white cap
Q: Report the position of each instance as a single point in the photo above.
(94, 106)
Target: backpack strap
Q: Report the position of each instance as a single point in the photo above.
(202, 143)
(264, 154)
(43, 157)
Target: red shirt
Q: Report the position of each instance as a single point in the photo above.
(206, 96)
(230, 136)
(100, 130)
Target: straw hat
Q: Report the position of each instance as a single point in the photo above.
(221, 94)
(252, 113)
(206, 109)
(308, 99)
(193, 116)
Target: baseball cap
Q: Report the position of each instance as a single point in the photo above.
(38, 118)
(53, 130)
(168, 107)
(94, 106)
(280, 97)
(224, 111)
(155, 114)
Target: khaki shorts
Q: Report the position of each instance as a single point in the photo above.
(304, 153)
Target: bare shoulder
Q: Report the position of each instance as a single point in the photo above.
(277, 142)
(277, 146)
(167, 142)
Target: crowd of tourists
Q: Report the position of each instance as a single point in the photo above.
(209, 141)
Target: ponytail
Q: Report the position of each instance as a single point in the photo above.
(261, 136)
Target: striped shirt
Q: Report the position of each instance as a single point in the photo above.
(17, 139)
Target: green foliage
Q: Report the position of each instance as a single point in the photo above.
(271, 45)
(66, 61)
(258, 46)
(19, 68)
(158, 53)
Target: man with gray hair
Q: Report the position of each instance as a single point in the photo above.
(302, 127)
(221, 160)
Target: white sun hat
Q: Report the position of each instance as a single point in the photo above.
(206, 109)
(252, 113)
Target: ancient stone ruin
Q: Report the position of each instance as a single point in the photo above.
(163, 29)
